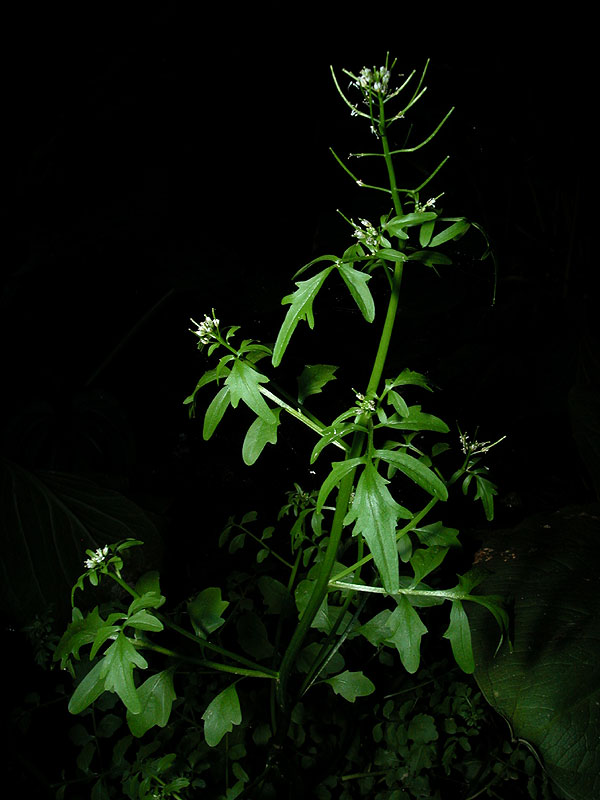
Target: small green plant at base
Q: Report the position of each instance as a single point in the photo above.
(346, 576)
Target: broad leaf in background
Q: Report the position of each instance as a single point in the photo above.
(548, 688)
(48, 520)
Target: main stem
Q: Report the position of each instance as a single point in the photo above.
(343, 497)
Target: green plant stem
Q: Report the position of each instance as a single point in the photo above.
(202, 662)
(345, 489)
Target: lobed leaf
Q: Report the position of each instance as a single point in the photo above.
(260, 433)
(375, 513)
(205, 611)
(351, 685)
(356, 282)
(313, 378)
(244, 384)
(156, 697)
(221, 715)
(117, 670)
(301, 308)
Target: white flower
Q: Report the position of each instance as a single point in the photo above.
(365, 405)
(375, 80)
(97, 558)
(206, 330)
(474, 448)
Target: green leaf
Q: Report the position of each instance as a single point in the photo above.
(276, 596)
(214, 413)
(417, 420)
(260, 433)
(313, 379)
(81, 631)
(389, 254)
(338, 470)
(375, 513)
(452, 232)
(376, 630)
(486, 490)
(430, 257)
(422, 730)
(351, 685)
(416, 471)
(426, 233)
(547, 686)
(333, 434)
(205, 611)
(244, 384)
(118, 664)
(148, 587)
(357, 284)
(143, 621)
(459, 635)
(437, 534)
(322, 620)
(301, 308)
(409, 378)
(88, 690)
(253, 637)
(399, 403)
(424, 561)
(397, 224)
(156, 697)
(221, 715)
(406, 631)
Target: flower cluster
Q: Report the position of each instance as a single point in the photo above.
(474, 448)
(373, 80)
(369, 236)
(97, 558)
(424, 206)
(366, 405)
(206, 330)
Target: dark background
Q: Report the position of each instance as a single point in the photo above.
(162, 162)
